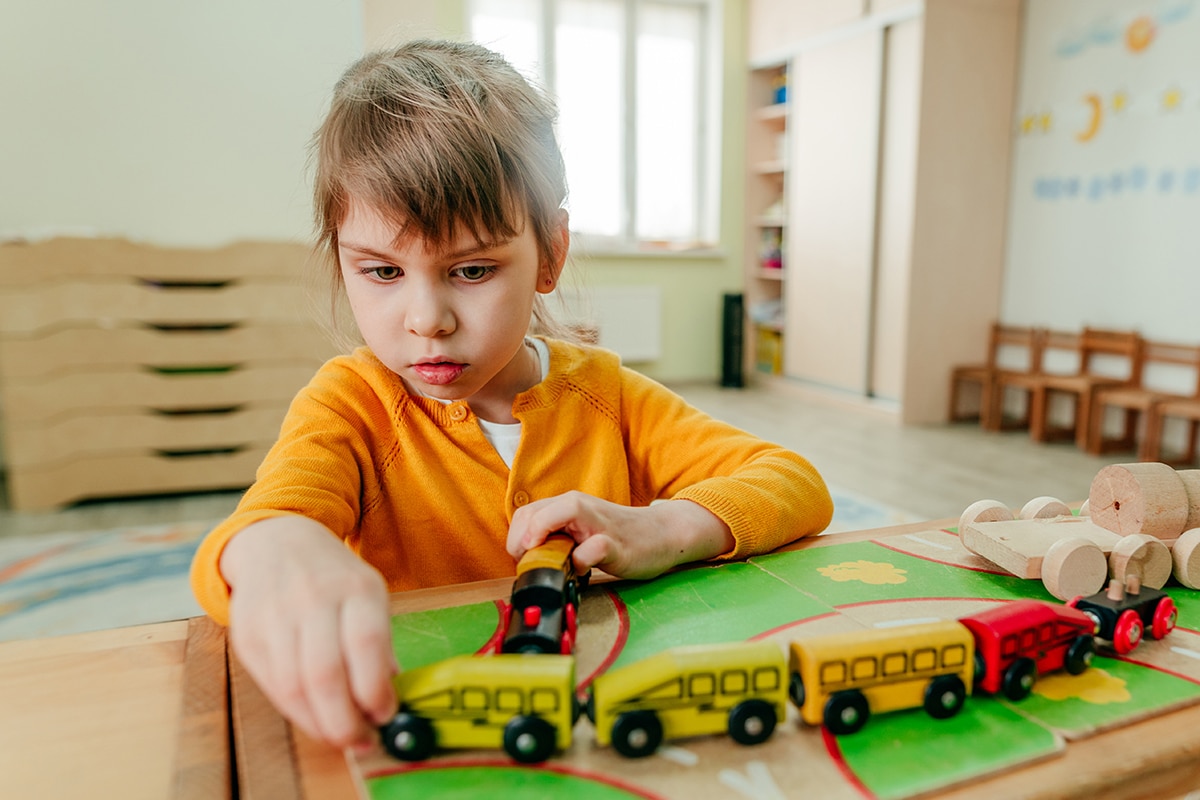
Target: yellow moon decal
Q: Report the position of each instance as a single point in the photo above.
(1097, 107)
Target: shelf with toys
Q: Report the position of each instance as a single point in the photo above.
(766, 226)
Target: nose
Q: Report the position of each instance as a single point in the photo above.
(429, 312)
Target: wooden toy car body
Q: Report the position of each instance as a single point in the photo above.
(739, 688)
(841, 679)
(1018, 640)
(1123, 616)
(524, 704)
(543, 613)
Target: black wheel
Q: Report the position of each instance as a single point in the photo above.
(846, 712)
(1079, 654)
(980, 669)
(752, 722)
(637, 734)
(408, 737)
(589, 708)
(944, 696)
(576, 709)
(1019, 679)
(529, 739)
(796, 689)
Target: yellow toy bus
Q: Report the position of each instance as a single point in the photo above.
(841, 679)
(523, 703)
(691, 691)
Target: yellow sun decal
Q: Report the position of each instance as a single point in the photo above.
(872, 572)
(1094, 686)
(1140, 34)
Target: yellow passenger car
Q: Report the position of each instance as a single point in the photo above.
(841, 679)
(523, 704)
(691, 691)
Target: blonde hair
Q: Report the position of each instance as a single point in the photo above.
(439, 137)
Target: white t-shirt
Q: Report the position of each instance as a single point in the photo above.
(506, 437)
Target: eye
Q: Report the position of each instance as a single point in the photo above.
(474, 272)
(385, 273)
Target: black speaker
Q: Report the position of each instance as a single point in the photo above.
(733, 348)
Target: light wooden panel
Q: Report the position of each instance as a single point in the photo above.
(897, 190)
(777, 25)
(833, 126)
(968, 87)
(93, 715)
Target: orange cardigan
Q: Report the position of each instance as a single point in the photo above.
(414, 488)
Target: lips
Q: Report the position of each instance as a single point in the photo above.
(439, 373)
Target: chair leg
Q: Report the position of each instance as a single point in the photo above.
(1151, 449)
(1191, 447)
(1083, 418)
(1037, 414)
(985, 403)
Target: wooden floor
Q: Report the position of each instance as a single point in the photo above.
(929, 471)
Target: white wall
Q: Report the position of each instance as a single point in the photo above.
(177, 123)
(1105, 211)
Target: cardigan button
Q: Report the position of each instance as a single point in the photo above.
(520, 499)
(458, 412)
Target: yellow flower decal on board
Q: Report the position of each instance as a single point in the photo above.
(872, 572)
(1094, 686)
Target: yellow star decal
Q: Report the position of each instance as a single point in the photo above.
(1119, 101)
(1172, 99)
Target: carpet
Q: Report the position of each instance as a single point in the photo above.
(54, 584)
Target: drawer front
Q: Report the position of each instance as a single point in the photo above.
(45, 487)
(76, 393)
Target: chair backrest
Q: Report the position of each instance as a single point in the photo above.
(1171, 367)
(1062, 352)
(1111, 353)
(1015, 347)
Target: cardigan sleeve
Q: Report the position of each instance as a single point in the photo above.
(314, 469)
(766, 494)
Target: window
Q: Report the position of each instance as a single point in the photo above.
(637, 86)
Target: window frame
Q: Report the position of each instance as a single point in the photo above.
(706, 167)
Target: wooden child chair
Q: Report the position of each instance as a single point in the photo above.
(1008, 347)
(1051, 345)
(1096, 348)
(1136, 401)
(1185, 408)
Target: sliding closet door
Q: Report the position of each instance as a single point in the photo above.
(834, 92)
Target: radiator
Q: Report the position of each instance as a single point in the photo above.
(627, 319)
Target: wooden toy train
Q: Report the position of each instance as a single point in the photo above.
(527, 704)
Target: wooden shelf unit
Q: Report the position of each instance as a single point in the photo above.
(129, 369)
(766, 141)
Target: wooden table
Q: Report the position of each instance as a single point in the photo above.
(143, 712)
(139, 712)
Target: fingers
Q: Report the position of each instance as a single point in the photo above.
(573, 512)
(370, 661)
(325, 683)
(594, 552)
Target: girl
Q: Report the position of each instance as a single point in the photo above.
(454, 441)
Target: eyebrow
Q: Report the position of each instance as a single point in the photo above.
(479, 247)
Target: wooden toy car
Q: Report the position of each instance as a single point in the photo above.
(1124, 613)
(524, 704)
(691, 691)
(544, 608)
(1019, 640)
(840, 679)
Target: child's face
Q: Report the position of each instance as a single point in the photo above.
(452, 323)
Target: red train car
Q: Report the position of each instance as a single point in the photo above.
(1019, 640)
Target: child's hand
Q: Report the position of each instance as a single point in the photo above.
(309, 621)
(624, 542)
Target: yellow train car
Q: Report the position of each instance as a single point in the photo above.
(691, 691)
(523, 704)
(841, 679)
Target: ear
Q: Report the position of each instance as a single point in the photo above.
(551, 270)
